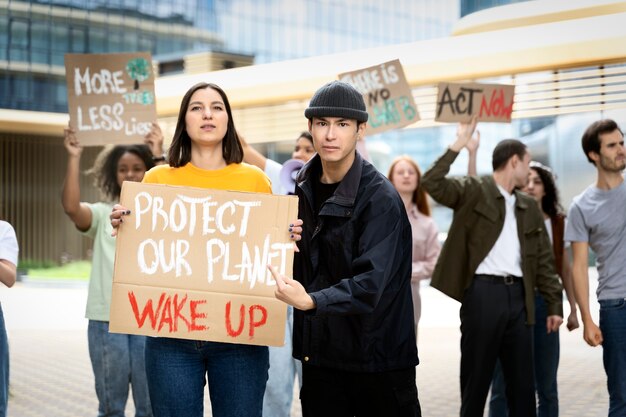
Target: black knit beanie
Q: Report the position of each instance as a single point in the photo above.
(337, 99)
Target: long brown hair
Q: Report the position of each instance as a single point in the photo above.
(419, 198)
(180, 150)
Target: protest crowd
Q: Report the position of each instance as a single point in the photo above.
(314, 266)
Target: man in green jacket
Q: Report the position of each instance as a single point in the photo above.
(496, 255)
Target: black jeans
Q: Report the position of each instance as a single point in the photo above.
(335, 393)
(493, 326)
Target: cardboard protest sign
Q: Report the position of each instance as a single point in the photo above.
(110, 97)
(387, 95)
(458, 102)
(192, 264)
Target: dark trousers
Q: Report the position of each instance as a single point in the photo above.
(493, 325)
(335, 393)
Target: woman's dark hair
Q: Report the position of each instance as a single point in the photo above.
(550, 201)
(179, 153)
(105, 167)
(419, 198)
(306, 135)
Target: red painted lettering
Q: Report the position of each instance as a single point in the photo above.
(166, 315)
(229, 327)
(257, 323)
(148, 311)
(496, 106)
(177, 312)
(195, 315)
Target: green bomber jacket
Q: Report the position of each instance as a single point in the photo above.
(479, 211)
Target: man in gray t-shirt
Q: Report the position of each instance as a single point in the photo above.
(597, 219)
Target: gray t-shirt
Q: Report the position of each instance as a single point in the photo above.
(599, 217)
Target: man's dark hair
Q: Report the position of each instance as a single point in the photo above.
(504, 150)
(591, 137)
(180, 150)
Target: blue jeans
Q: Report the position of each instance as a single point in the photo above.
(4, 367)
(613, 327)
(283, 369)
(117, 361)
(546, 360)
(178, 370)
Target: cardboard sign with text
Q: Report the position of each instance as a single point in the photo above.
(110, 97)
(387, 95)
(458, 102)
(191, 263)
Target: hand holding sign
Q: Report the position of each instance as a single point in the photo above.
(71, 142)
(154, 140)
(464, 134)
(117, 218)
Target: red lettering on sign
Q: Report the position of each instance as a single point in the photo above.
(242, 316)
(168, 313)
(148, 311)
(257, 323)
(496, 106)
(195, 315)
(255, 319)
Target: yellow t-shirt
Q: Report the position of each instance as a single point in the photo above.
(234, 177)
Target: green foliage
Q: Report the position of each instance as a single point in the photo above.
(28, 264)
(78, 270)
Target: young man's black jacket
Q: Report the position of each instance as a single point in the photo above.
(355, 262)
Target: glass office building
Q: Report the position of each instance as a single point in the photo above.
(35, 35)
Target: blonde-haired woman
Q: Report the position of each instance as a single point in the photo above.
(406, 176)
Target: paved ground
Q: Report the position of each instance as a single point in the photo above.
(51, 373)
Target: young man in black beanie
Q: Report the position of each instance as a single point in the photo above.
(353, 322)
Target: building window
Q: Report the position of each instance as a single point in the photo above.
(18, 40)
(60, 43)
(40, 42)
(78, 39)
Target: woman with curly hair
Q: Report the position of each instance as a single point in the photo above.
(117, 359)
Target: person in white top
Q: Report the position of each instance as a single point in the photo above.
(495, 255)
(8, 272)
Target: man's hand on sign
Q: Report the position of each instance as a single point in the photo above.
(291, 291)
(464, 134)
(295, 233)
(117, 217)
(71, 142)
(474, 142)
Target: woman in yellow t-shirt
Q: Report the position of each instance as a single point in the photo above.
(206, 152)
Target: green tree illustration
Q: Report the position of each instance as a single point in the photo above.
(138, 69)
